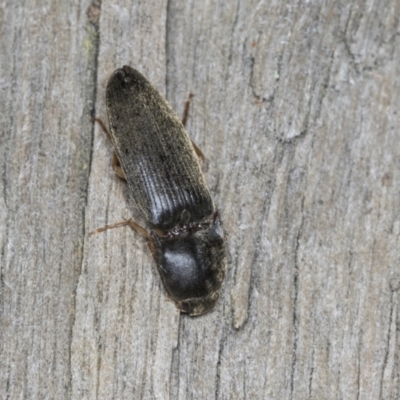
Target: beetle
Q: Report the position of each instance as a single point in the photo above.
(155, 155)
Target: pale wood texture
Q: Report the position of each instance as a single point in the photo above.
(296, 108)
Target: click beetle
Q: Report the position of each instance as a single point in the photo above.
(156, 157)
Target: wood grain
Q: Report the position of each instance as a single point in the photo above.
(296, 109)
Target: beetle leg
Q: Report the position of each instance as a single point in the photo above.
(116, 165)
(186, 109)
(184, 120)
(130, 222)
(198, 152)
(103, 126)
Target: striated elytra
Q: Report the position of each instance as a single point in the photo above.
(163, 173)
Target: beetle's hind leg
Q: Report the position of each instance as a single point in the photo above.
(198, 152)
(184, 121)
(186, 109)
(103, 126)
(116, 165)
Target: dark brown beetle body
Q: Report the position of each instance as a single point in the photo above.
(164, 176)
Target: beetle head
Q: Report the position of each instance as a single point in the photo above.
(192, 267)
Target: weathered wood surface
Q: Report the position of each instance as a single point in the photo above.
(297, 110)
